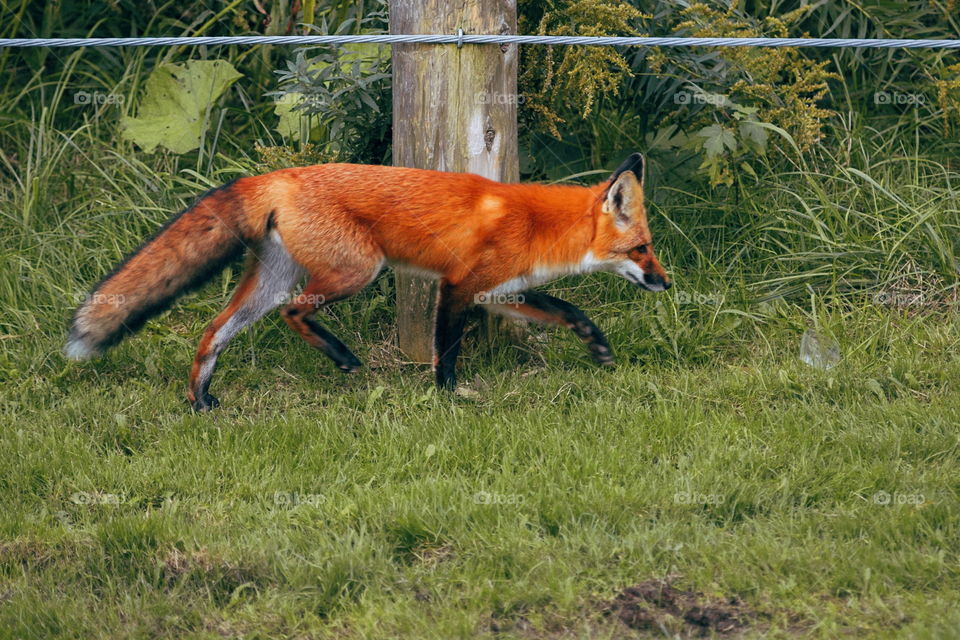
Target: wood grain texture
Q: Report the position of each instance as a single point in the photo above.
(453, 110)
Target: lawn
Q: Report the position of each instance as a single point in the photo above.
(745, 493)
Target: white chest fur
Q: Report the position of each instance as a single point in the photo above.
(545, 273)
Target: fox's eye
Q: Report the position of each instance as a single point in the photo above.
(642, 248)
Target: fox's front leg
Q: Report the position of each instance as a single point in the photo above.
(540, 307)
(451, 316)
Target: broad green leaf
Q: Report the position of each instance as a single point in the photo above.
(715, 139)
(753, 135)
(367, 53)
(288, 124)
(176, 102)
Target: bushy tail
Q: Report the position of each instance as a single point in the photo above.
(186, 252)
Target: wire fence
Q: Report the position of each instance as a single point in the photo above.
(462, 39)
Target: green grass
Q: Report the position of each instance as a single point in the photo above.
(315, 504)
(531, 504)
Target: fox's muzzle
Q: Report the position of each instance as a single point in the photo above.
(655, 282)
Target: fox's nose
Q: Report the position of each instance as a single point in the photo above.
(656, 282)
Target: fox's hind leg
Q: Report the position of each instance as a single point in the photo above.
(270, 276)
(319, 292)
(539, 307)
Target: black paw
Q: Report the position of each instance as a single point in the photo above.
(205, 403)
(601, 354)
(349, 364)
(446, 381)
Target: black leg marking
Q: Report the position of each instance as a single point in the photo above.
(577, 321)
(451, 318)
(333, 347)
(204, 401)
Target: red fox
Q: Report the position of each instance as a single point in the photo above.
(340, 223)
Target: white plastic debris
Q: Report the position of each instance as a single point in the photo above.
(819, 351)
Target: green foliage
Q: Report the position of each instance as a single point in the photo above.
(176, 104)
(721, 145)
(674, 97)
(282, 156)
(948, 97)
(339, 98)
(732, 92)
(869, 71)
(781, 83)
(705, 101)
(567, 80)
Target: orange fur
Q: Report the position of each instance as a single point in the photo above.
(469, 230)
(340, 223)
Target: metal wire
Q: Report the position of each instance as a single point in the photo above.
(460, 39)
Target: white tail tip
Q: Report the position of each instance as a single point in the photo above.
(77, 349)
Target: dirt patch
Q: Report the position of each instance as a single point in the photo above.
(430, 556)
(216, 575)
(518, 624)
(657, 605)
(31, 554)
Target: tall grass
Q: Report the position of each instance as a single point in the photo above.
(851, 219)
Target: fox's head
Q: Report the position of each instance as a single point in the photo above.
(623, 242)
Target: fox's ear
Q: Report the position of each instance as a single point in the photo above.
(634, 164)
(624, 199)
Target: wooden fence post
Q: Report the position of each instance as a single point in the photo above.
(454, 109)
